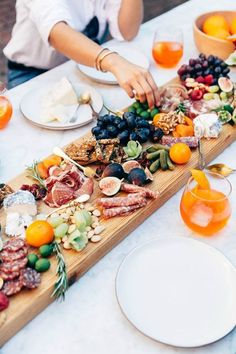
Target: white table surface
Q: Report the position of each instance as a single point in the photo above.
(90, 321)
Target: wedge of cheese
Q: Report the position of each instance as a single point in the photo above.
(59, 103)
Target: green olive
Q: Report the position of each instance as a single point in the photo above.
(46, 250)
(42, 265)
(32, 259)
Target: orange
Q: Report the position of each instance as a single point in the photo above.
(232, 26)
(180, 153)
(42, 170)
(39, 233)
(214, 22)
(220, 33)
(201, 179)
(5, 111)
(52, 160)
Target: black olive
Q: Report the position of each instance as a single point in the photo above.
(96, 131)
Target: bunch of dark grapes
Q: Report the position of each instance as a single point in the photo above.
(37, 191)
(204, 69)
(129, 127)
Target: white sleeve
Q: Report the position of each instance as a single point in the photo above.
(112, 13)
(46, 13)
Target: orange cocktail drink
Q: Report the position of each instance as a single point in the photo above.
(206, 210)
(167, 49)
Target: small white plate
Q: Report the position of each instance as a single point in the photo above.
(30, 107)
(178, 291)
(127, 51)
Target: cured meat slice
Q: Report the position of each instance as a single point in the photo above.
(131, 188)
(15, 266)
(9, 276)
(7, 256)
(30, 278)
(123, 210)
(131, 199)
(191, 141)
(86, 188)
(14, 244)
(12, 287)
(59, 195)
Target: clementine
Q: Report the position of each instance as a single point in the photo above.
(220, 33)
(180, 153)
(214, 22)
(39, 233)
(232, 26)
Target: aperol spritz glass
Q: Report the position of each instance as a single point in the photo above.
(206, 211)
(5, 107)
(167, 49)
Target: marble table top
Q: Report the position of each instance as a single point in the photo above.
(90, 320)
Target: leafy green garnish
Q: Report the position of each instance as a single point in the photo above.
(32, 172)
(61, 284)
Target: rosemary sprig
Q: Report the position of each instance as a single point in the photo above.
(61, 284)
(32, 172)
(181, 108)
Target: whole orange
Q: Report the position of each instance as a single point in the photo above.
(215, 22)
(232, 27)
(180, 153)
(39, 233)
(5, 111)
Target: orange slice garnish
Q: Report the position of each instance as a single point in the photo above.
(201, 179)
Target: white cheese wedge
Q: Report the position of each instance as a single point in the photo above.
(61, 93)
(21, 202)
(207, 125)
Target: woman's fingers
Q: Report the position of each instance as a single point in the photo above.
(128, 89)
(148, 90)
(139, 91)
(154, 87)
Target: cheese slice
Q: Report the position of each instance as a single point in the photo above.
(61, 93)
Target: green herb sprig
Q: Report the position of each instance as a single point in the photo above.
(61, 284)
(32, 172)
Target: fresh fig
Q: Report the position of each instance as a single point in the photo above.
(129, 165)
(110, 185)
(149, 175)
(225, 84)
(114, 170)
(137, 176)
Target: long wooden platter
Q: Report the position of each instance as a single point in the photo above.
(27, 304)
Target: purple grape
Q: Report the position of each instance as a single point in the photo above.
(198, 67)
(192, 62)
(205, 64)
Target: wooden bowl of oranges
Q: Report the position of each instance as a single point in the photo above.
(212, 31)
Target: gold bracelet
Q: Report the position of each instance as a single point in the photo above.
(96, 59)
(103, 57)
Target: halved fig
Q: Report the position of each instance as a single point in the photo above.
(149, 175)
(110, 185)
(225, 84)
(129, 165)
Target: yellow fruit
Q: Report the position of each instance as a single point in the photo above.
(39, 233)
(214, 22)
(232, 27)
(220, 33)
(201, 179)
(180, 153)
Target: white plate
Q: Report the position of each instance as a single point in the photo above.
(127, 51)
(178, 291)
(30, 106)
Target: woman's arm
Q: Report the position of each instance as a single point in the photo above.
(130, 18)
(130, 77)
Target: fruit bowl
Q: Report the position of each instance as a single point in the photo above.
(211, 45)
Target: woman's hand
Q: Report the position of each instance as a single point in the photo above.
(135, 80)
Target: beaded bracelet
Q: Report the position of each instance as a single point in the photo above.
(100, 59)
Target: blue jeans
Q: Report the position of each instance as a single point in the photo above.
(18, 76)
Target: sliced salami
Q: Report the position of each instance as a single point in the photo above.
(131, 188)
(12, 287)
(14, 245)
(131, 199)
(15, 266)
(123, 210)
(9, 276)
(30, 278)
(7, 256)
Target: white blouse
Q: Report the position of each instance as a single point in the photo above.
(35, 18)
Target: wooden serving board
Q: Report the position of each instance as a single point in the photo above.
(27, 304)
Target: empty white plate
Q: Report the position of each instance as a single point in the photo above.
(127, 51)
(178, 291)
(31, 107)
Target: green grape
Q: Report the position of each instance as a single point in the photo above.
(213, 89)
(61, 230)
(55, 221)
